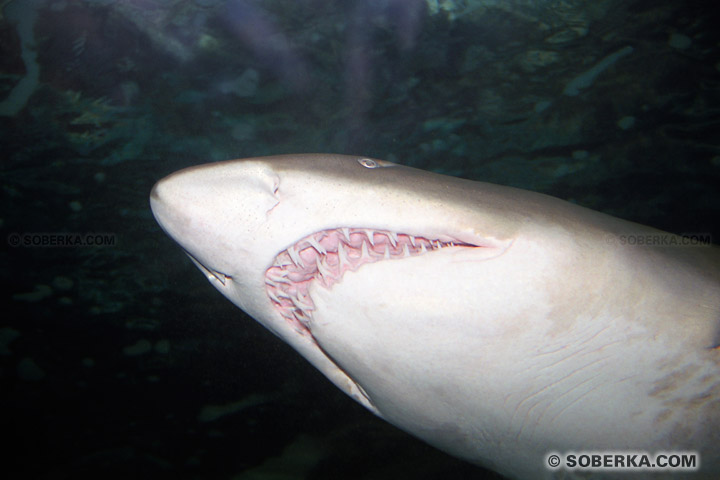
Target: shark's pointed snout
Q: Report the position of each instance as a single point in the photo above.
(212, 210)
(161, 203)
(210, 193)
(169, 201)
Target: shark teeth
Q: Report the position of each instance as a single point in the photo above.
(316, 245)
(364, 254)
(295, 256)
(326, 255)
(342, 256)
(393, 238)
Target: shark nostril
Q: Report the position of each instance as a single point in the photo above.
(275, 180)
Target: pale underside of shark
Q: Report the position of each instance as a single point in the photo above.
(494, 323)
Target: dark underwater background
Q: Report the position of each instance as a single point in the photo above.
(118, 360)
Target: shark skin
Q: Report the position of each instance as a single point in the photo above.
(494, 323)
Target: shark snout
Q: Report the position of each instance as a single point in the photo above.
(217, 212)
(216, 194)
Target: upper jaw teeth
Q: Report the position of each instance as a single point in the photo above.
(316, 245)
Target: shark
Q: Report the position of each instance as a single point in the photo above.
(499, 325)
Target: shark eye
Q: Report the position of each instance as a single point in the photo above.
(368, 163)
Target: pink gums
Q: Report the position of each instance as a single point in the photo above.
(325, 256)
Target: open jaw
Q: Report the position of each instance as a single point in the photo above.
(325, 256)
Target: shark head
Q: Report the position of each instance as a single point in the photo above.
(268, 232)
(484, 319)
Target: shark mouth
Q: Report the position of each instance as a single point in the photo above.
(325, 256)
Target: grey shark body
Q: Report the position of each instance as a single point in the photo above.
(494, 323)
